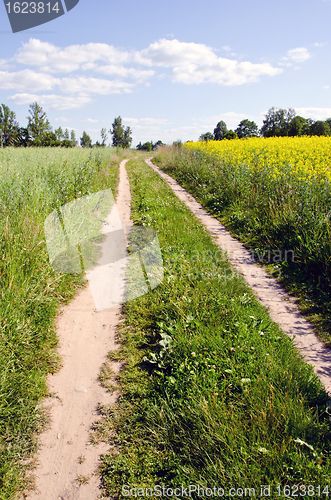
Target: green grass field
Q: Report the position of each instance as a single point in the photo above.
(33, 183)
(214, 394)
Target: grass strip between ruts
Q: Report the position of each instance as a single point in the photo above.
(213, 393)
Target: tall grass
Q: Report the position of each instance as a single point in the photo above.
(272, 214)
(33, 182)
(214, 394)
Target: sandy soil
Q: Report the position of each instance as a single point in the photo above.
(85, 338)
(282, 308)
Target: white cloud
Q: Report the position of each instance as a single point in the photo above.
(298, 55)
(224, 72)
(195, 63)
(72, 85)
(59, 102)
(62, 119)
(172, 53)
(319, 44)
(54, 59)
(86, 57)
(314, 113)
(4, 64)
(91, 120)
(89, 66)
(189, 63)
(26, 80)
(29, 81)
(326, 86)
(146, 121)
(122, 71)
(96, 57)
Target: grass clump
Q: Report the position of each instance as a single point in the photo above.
(213, 393)
(83, 479)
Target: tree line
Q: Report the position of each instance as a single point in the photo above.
(277, 123)
(121, 136)
(149, 146)
(39, 132)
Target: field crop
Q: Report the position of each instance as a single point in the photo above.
(34, 182)
(274, 195)
(308, 156)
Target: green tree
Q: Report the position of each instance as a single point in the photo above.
(157, 145)
(230, 135)
(127, 139)
(9, 128)
(66, 135)
(307, 126)
(121, 136)
(50, 139)
(59, 133)
(277, 122)
(85, 140)
(66, 143)
(147, 146)
(247, 128)
(320, 128)
(104, 136)
(220, 131)
(208, 136)
(297, 126)
(72, 136)
(38, 125)
(117, 132)
(22, 137)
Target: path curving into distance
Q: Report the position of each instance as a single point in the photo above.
(85, 338)
(282, 308)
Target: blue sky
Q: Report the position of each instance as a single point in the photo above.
(170, 69)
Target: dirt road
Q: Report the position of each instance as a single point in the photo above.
(67, 463)
(282, 308)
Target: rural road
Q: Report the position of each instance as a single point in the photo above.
(282, 308)
(85, 338)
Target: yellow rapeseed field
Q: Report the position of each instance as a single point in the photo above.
(309, 156)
